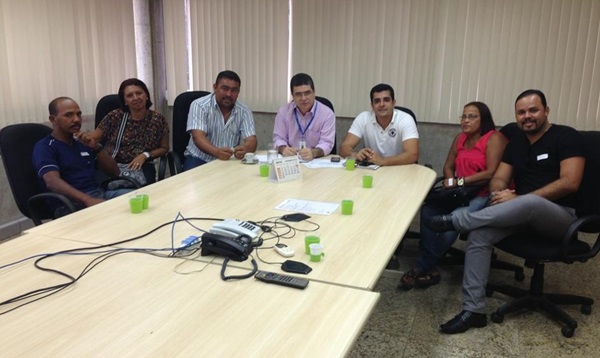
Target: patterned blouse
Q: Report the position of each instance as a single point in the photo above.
(140, 135)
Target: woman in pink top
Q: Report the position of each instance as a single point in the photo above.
(472, 160)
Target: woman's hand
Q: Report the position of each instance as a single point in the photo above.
(137, 162)
(502, 196)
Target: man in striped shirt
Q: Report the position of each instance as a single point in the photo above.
(220, 127)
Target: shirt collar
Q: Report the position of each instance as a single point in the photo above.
(216, 106)
(374, 117)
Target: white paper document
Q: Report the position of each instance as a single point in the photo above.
(322, 163)
(308, 207)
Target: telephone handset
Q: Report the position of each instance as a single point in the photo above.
(236, 248)
(234, 228)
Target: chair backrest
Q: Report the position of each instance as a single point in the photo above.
(328, 103)
(181, 108)
(589, 190)
(16, 148)
(407, 111)
(105, 105)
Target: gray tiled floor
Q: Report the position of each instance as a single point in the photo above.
(405, 323)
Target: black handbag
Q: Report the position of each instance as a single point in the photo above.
(451, 198)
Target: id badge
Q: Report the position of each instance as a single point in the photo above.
(301, 144)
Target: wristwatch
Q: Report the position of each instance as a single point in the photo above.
(147, 155)
(460, 181)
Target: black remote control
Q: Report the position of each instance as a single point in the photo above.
(284, 280)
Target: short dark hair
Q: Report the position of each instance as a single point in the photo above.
(52, 106)
(530, 92)
(133, 82)
(230, 75)
(487, 122)
(381, 88)
(301, 79)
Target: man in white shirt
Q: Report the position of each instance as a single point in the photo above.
(390, 135)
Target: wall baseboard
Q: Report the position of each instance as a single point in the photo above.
(14, 227)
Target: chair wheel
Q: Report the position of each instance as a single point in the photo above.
(519, 276)
(497, 317)
(586, 309)
(567, 331)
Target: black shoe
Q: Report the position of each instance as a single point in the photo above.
(440, 223)
(463, 321)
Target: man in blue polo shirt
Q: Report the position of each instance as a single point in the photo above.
(66, 162)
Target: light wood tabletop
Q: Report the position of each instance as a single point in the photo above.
(137, 305)
(357, 247)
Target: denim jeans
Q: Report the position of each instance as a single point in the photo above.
(435, 244)
(192, 162)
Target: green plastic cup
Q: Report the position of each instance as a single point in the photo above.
(316, 252)
(367, 181)
(347, 206)
(145, 201)
(350, 163)
(136, 204)
(310, 238)
(264, 169)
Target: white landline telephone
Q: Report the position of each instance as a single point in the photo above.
(233, 228)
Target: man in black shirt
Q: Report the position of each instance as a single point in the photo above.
(546, 162)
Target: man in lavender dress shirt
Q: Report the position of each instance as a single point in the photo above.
(305, 126)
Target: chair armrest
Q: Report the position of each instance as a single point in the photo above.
(589, 224)
(38, 202)
(162, 166)
(175, 163)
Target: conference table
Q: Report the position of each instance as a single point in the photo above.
(135, 304)
(357, 247)
(138, 305)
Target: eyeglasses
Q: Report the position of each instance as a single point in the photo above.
(469, 117)
(299, 95)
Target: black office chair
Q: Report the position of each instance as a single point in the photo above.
(407, 111)
(328, 103)
(109, 103)
(537, 251)
(394, 264)
(16, 148)
(181, 137)
(105, 105)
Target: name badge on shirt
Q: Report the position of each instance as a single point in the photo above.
(542, 156)
(84, 154)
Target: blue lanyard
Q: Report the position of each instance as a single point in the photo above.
(309, 123)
